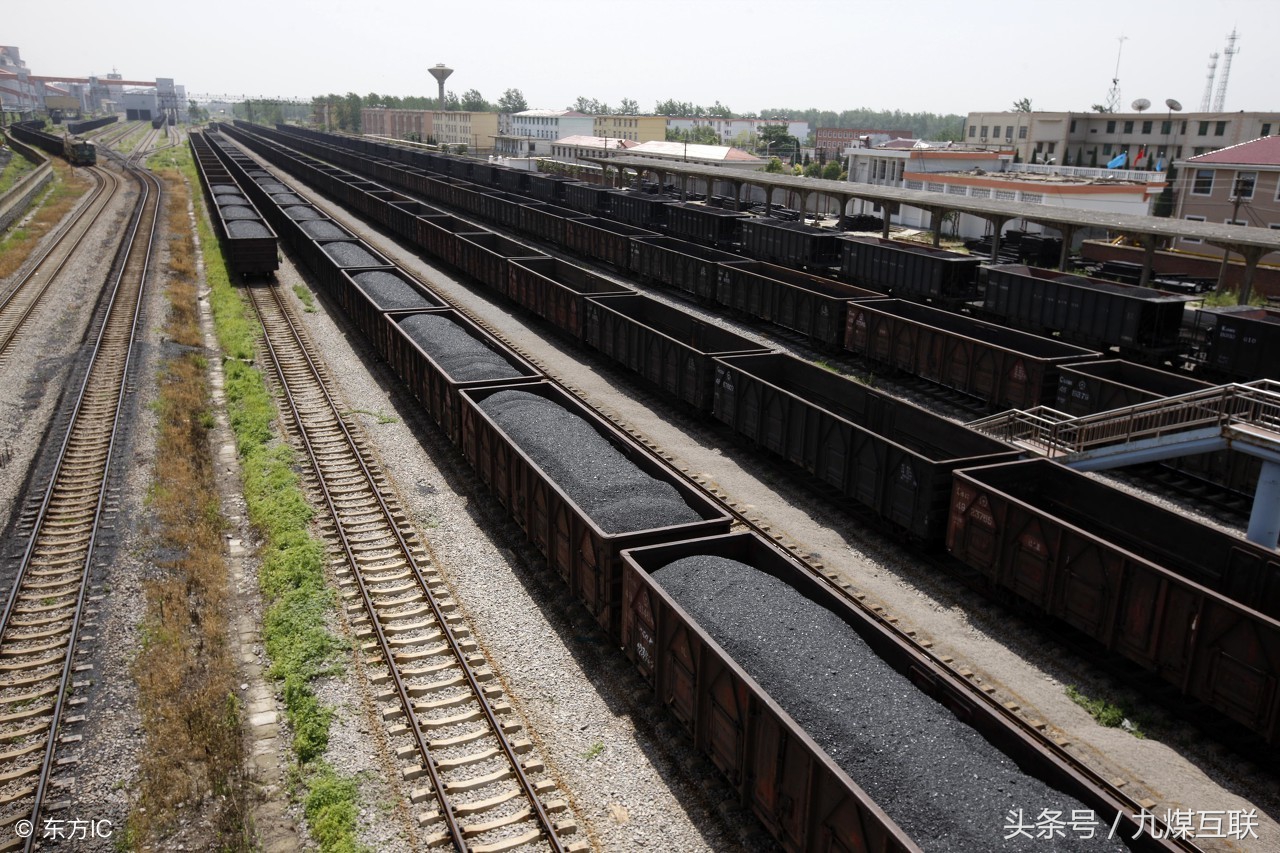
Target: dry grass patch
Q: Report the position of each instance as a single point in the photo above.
(56, 203)
(195, 753)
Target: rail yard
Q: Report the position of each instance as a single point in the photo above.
(650, 523)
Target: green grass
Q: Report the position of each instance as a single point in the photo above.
(596, 749)
(306, 297)
(17, 168)
(1106, 713)
(1224, 298)
(299, 603)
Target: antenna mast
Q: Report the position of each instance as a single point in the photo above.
(1208, 83)
(1231, 50)
(1113, 96)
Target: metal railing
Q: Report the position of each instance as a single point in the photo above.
(1054, 433)
(1138, 175)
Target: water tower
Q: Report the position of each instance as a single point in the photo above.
(441, 72)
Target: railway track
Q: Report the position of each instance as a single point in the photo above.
(27, 292)
(484, 791)
(46, 607)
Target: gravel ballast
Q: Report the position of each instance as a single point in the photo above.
(323, 229)
(245, 228)
(939, 779)
(351, 255)
(613, 491)
(390, 292)
(461, 356)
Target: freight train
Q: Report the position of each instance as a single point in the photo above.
(1143, 324)
(801, 794)
(74, 149)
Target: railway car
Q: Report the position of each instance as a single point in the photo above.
(891, 457)
(791, 244)
(1141, 323)
(77, 127)
(1004, 368)
(249, 244)
(909, 270)
(1196, 606)
(75, 150)
(1240, 343)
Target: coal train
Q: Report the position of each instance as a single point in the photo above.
(74, 149)
(903, 464)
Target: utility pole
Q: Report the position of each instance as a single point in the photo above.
(1236, 199)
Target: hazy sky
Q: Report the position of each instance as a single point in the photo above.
(913, 55)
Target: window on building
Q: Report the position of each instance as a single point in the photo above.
(1106, 149)
(1146, 127)
(1204, 129)
(1266, 130)
(984, 132)
(1245, 182)
(995, 131)
(1184, 127)
(1193, 239)
(1220, 129)
(1053, 146)
(1234, 222)
(1128, 127)
(1111, 127)
(1203, 182)
(1166, 128)
(1073, 126)
(1022, 133)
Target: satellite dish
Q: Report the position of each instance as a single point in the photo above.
(1173, 105)
(1141, 104)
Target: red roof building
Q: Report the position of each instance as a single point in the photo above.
(1236, 185)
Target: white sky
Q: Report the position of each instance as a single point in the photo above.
(912, 55)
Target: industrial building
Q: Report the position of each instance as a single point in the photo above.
(1237, 185)
(22, 91)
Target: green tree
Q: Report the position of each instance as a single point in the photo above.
(629, 107)
(774, 166)
(813, 170)
(1022, 105)
(512, 101)
(473, 101)
(719, 110)
(832, 171)
(452, 101)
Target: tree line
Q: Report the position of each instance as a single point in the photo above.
(343, 111)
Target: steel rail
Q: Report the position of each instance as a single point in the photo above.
(111, 353)
(439, 786)
(19, 303)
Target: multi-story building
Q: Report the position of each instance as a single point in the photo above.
(688, 152)
(1237, 185)
(459, 127)
(398, 124)
(987, 172)
(830, 142)
(572, 148)
(1096, 139)
(633, 128)
(531, 132)
(730, 130)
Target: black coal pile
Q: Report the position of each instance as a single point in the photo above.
(462, 357)
(390, 292)
(237, 212)
(939, 779)
(351, 255)
(323, 229)
(227, 198)
(298, 213)
(272, 187)
(220, 189)
(610, 489)
(247, 228)
(287, 198)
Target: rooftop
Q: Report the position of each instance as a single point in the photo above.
(1256, 152)
(596, 141)
(724, 153)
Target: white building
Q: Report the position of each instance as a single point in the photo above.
(531, 132)
(728, 129)
(984, 173)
